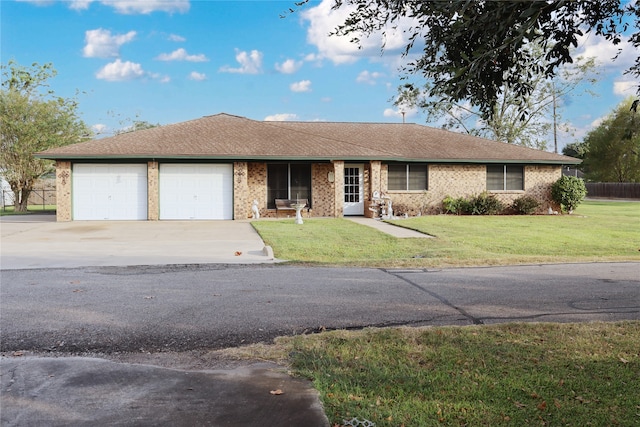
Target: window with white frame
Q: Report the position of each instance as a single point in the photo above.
(505, 177)
(407, 176)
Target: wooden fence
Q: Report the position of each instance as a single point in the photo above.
(614, 190)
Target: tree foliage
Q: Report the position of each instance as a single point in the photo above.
(568, 192)
(613, 148)
(135, 126)
(473, 50)
(32, 121)
(575, 149)
(507, 124)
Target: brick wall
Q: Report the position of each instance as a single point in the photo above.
(338, 189)
(538, 181)
(63, 191)
(322, 191)
(470, 180)
(241, 200)
(153, 191)
(257, 186)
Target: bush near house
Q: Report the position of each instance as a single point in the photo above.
(525, 205)
(481, 204)
(456, 206)
(568, 192)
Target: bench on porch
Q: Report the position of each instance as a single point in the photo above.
(284, 205)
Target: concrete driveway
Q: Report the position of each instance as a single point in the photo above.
(37, 241)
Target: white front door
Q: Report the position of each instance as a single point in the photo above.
(196, 191)
(109, 191)
(353, 189)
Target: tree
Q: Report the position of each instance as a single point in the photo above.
(473, 50)
(613, 148)
(135, 126)
(32, 121)
(575, 149)
(128, 124)
(507, 124)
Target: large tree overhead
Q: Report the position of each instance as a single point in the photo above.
(613, 148)
(470, 50)
(543, 106)
(32, 120)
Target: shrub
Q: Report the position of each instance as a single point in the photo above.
(454, 206)
(568, 192)
(525, 205)
(485, 204)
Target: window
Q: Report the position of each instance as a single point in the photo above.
(288, 181)
(407, 177)
(505, 177)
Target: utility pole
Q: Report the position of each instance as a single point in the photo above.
(555, 125)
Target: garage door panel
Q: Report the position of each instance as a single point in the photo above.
(110, 191)
(196, 191)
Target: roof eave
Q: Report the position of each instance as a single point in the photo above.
(304, 158)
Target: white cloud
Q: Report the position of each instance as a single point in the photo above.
(339, 49)
(80, 4)
(128, 7)
(625, 87)
(132, 7)
(604, 51)
(282, 117)
(181, 55)
(120, 71)
(289, 66)
(597, 122)
(368, 77)
(99, 128)
(177, 38)
(250, 63)
(301, 86)
(38, 2)
(408, 112)
(161, 78)
(101, 44)
(194, 75)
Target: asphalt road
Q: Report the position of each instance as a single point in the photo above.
(180, 308)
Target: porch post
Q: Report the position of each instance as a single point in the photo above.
(63, 191)
(338, 188)
(153, 191)
(241, 202)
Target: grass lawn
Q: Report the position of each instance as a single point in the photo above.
(499, 375)
(9, 210)
(597, 231)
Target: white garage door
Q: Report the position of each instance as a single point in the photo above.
(196, 191)
(109, 191)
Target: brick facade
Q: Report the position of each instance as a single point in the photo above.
(241, 200)
(327, 189)
(322, 189)
(63, 191)
(466, 181)
(153, 191)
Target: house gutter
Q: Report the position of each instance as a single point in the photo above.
(146, 157)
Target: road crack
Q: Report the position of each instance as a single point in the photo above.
(474, 320)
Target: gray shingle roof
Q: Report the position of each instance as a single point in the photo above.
(227, 137)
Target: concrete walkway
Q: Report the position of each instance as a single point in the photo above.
(385, 227)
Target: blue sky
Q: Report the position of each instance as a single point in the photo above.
(167, 61)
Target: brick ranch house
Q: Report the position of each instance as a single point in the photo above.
(216, 166)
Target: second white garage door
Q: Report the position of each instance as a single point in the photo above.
(196, 191)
